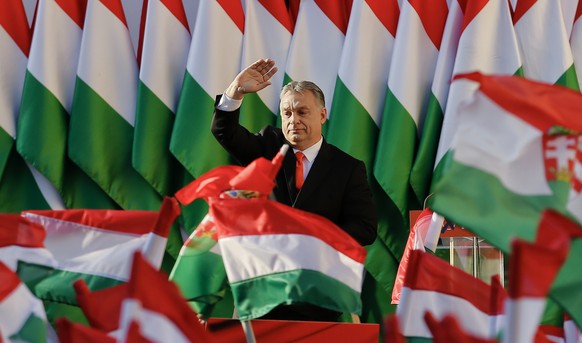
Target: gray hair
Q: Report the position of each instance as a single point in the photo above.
(301, 86)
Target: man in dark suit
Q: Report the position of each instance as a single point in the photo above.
(333, 185)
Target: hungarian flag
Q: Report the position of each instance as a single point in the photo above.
(433, 285)
(22, 316)
(166, 42)
(321, 27)
(274, 254)
(157, 307)
(267, 34)
(103, 109)
(95, 245)
(213, 62)
(199, 270)
(21, 185)
(424, 162)
(497, 299)
(479, 48)
(544, 42)
(409, 82)
(576, 42)
(23, 240)
(516, 154)
(46, 102)
(355, 118)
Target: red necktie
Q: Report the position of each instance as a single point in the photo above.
(299, 170)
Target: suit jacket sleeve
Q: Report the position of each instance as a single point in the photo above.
(359, 216)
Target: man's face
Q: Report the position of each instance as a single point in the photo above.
(301, 119)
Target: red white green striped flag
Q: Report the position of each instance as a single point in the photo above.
(96, 245)
(356, 114)
(258, 240)
(424, 162)
(213, 61)
(23, 240)
(165, 50)
(22, 316)
(21, 185)
(516, 144)
(409, 82)
(572, 332)
(267, 34)
(320, 27)
(544, 42)
(433, 285)
(46, 103)
(103, 111)
(483, 49)
(576, 42)
(157, 307)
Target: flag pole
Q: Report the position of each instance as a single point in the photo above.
(248, 330)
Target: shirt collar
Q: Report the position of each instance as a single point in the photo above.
(311, 152)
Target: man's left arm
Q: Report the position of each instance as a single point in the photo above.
(359, 215)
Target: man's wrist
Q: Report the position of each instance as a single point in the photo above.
(228, 104)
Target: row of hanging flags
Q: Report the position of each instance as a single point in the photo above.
(86, 124)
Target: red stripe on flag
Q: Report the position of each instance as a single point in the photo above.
(142, 24)
(541, 105)
(177, 9)
(235, 11)
(533, 268)
(552, 330)
(249, 217)
(13, 19)
(433, 15)
(578, 11)
(521, 8)
(498, 296)
(102, 308)
(8, 281)
(336, 11)
(116, 8)
(427, 272)
(75, 9)
(471, 9)
(278, 10)
(70, 332)
(17, 230)
(124, 221)
(387, 12)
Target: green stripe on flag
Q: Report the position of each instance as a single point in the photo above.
(151, 147)
(510, 213)
(42, 140)
(352, 118)
(6, 143)
(569, 79)
(41, 120)
(192, 142)
(33, 330)
(566, 287)
(18, 188)
(100, 142)
(397, 144)
(254, 114)
(57, 285)
(423, 166)
(255, 297)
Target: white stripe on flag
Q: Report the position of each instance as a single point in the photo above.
(253, 256)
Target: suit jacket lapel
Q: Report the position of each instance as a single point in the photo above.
(320, 168)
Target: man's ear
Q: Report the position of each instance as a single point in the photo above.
(323, 115)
